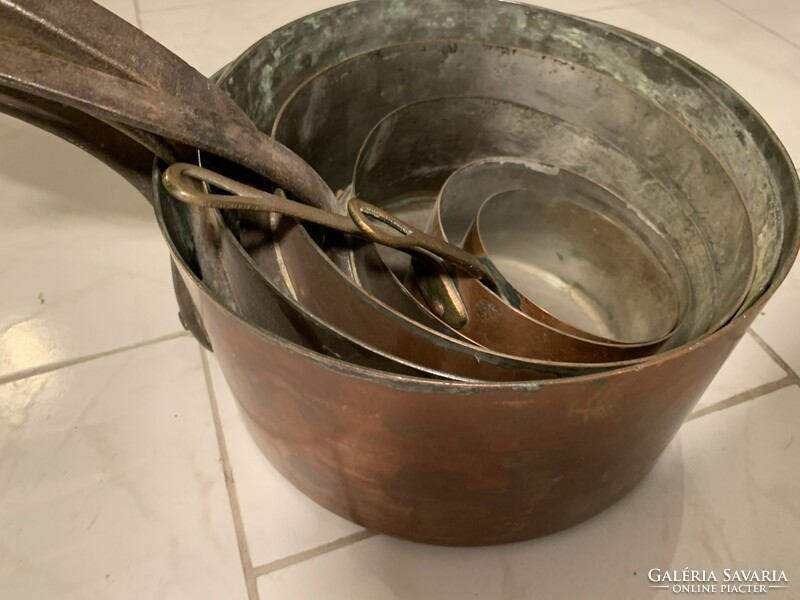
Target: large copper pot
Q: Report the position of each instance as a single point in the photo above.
(487, 463)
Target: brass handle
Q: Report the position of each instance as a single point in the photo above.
(181, 181)
(410, 237)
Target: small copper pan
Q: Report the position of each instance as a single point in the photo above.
(569, 263)
(638, 301)
(592, 288)
(586, 283)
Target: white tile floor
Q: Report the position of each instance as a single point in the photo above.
(125, 471)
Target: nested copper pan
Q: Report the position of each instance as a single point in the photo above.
(568, 248)
(618, 57)
(453, 463)
(418, 146)
(477, 463)
(504, 326)
(339, 107)
(650, 264)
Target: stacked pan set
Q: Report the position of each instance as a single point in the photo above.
(614, 219)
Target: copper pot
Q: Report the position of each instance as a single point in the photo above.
(487, 463)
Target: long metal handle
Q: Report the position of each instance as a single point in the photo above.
(182, 179)
(130, 159)
(89, 34)
(160, 113)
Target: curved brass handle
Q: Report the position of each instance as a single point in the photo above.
(181, 181)
(410, 237)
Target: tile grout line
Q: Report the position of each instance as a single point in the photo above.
(189, 4)
(774, 355)
(55, 366)
(790, 379)
(747, 17)
(137, 11)
(743, 397)
(230, 485)
(305, 555)
(155, 11)
(591, 11)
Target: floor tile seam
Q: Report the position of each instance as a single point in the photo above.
(137, 11)
(305, 555)
(189, 5)
(608, 7)
(742, 397)
(71, 362)
(761, 26)
(230, 483)
(773, 354)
